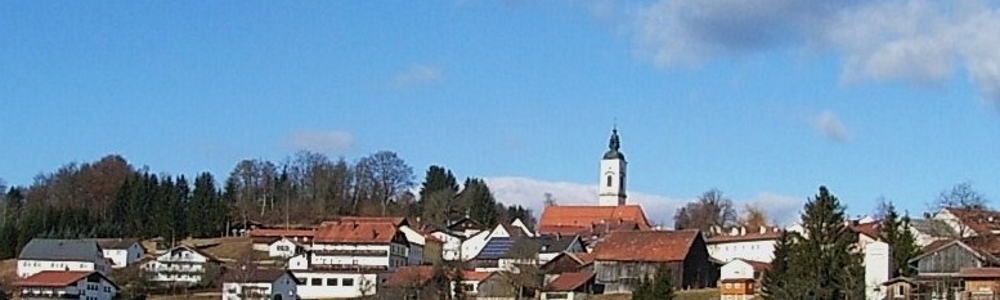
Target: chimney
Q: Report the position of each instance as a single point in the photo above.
(743, 231)
(763, 229)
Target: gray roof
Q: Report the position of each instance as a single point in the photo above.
(932, 227)
(65, 250)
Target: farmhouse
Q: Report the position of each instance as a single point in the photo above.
(624, 257)
(83, 285)
(60, 255)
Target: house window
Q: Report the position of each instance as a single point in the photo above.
(899, 290)
(348, 282)
(316, 282)
(331, 281)
(302, 281)
(282, 248)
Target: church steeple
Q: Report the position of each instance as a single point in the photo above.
(612, 183)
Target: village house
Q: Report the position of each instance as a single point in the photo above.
(968, 222)
(263, 238)
(571, 286)
(60, 255)
(182, 266)
(900, 288)
(257, 283)
(285, 247)
(927, 231)
(470, 282)
(755, 244)
(739, 279)
(413, 282)
(122, 252)
(568, 262)
(591, 222)
(625, 257)
(350, 257)
(939, 264)
(980, 283)
(507, 285)
(82, 285)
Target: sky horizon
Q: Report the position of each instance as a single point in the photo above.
(763, 100)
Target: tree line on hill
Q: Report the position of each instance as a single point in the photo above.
(111, 198)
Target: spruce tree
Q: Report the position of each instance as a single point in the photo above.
(828, 252)
(662, 288)
(644, 290)
(780, 282)
(895, 231)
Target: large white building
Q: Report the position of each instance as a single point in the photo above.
(60, 255)
(181, 265)
(264, 284)
(81, 285)
(349, 257)
(744, 243)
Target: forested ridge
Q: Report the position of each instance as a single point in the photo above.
(111, 198)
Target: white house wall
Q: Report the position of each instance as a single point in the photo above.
(275, 249)
(102, 290)
(284, 286)
(27, 268)
(736, 269)
(759, 250)
(315, 285)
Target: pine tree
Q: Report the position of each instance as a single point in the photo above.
(895, 231)
(644, 290)
(779, 282)
(828, 253)
(662, 288)
(482, 206)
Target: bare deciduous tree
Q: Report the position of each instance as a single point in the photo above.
(711, 209)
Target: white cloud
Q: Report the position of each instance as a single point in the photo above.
(830, 126)
(918, 41)
(659, 209)
(418, 74)
(329, 142)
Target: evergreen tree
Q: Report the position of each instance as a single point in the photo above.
(662, 289)
(203, 209)
(643, 290)
(828, 254)
(895, 231)
(482, 205)
(777, 280)
(437, 193)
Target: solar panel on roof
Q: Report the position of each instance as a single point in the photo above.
(496, 248)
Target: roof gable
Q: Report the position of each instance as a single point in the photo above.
(647, 246)
(567, 282)
(61, 250)
(555, 216)
(116, 244)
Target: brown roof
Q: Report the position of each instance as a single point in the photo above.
(398, 221)
(255, 275)
(589, 216)
(356, 232)
(584, 258)
(758, 266)
(53, 278)
(475, 276)
(277, 233)
(979, 273)
(646, 246)
(410, 276)
(980, 221)
(567, 282)
(869, 229)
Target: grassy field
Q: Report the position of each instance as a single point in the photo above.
(705, 294)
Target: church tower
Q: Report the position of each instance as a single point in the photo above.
(611, 190)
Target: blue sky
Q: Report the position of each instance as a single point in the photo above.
(764, 100)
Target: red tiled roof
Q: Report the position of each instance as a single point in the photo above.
(410, 276)
(475, 276)
(567, 282)
(980, 221)
(54, 278)
(979, 273)
(758, 266)
(356, 232)
(584, 258)
(277, 233)
(869, 229)
(646, 246)
(589, 216)
(398, 221)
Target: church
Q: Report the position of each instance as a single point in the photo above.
(612, 211)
